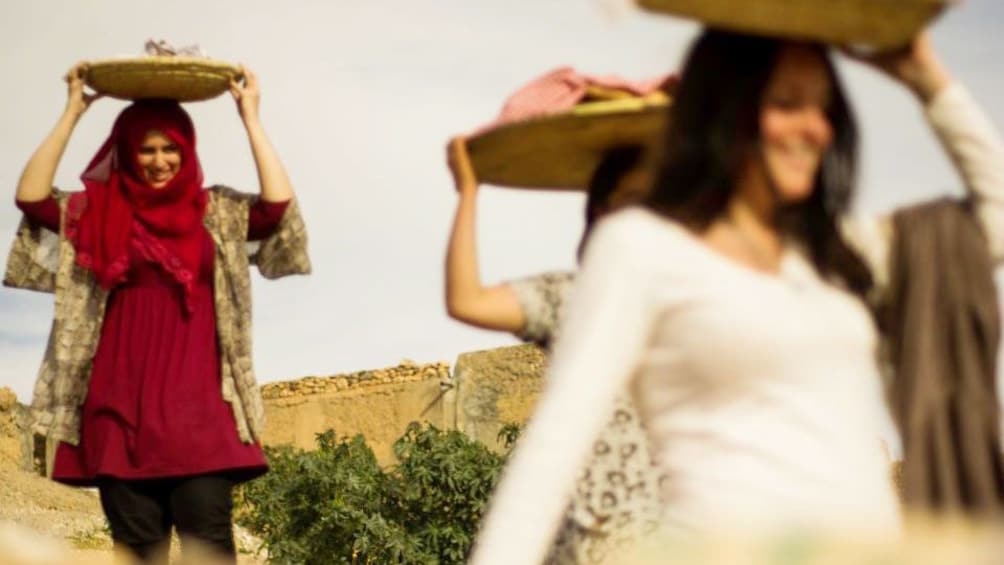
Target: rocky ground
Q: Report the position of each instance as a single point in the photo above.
(36, 513)
(43, 522)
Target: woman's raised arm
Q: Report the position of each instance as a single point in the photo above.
(275, 185)
(967, 134)
(467, 300)
(36, 179)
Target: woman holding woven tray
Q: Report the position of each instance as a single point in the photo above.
(147, 382)
(615, 500)
(734, 302)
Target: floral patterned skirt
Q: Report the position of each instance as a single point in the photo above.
(616, 498)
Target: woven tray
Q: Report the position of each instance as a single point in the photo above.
(186, 79)
(879, 24)
(562, 151)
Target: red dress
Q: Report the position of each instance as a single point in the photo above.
(154, 406)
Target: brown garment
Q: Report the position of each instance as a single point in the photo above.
(41, 261)
(943, 327)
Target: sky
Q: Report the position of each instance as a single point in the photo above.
(359, 99)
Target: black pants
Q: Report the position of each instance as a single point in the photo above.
(141, 514)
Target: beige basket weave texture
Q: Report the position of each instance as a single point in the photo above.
(879, 24)
(186, 79)
(562, 151)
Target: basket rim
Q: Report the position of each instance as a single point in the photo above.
(584, 111)
(638, 108)
(161, 60)
(182, 78)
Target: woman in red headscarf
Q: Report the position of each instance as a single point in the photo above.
(146, 385)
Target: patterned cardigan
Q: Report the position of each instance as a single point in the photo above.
(41, 261)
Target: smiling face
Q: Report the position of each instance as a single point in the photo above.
(158, 158)
(795, 131)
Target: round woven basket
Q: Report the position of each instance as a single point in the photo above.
(878, 24)
(561, 151)
(185, 79)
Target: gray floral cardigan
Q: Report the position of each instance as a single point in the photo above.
(41, 261)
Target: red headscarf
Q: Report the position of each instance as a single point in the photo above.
(120, 209)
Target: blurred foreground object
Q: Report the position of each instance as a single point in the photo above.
(23, 546)
(876, 24)
(927, 542)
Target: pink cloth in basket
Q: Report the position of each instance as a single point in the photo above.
(560, 90)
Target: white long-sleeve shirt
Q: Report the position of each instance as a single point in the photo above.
(761, 392)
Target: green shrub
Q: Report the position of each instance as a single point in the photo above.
(336, 505)
(444, 480)
(325, 506)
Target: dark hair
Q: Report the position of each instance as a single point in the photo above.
(615, 163)
(715, 124)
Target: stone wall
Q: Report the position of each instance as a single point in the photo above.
(496, 387)
(378, 404)
(486, 390)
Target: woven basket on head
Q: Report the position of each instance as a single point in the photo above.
(878, 24)
(561, 151)
(186, 79)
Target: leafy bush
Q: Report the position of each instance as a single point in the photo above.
(336, 505)
(325, 506)
(444, 480)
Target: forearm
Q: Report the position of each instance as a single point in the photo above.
(467, 299)
(275, 185)
(36, 180)
(462, 278)
(928, 80)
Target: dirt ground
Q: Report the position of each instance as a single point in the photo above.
(44, 522)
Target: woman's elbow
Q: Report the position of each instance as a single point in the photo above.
(471, 309)
(458, 308)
